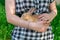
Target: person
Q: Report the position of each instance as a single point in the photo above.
(26, 30)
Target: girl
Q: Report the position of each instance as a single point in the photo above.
(26, 30)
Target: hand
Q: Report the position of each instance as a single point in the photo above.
(39, 26)
(46, 17)
(43, 26)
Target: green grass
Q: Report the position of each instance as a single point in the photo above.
(6, 28)
(56, 25)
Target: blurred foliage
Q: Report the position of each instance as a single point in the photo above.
(2, 2)
(56, 25)
(6, 28)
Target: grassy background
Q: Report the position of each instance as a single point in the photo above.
(6, 28)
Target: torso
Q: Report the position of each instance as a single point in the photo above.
(20, 33)
(42, 6)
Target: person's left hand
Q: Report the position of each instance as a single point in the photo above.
(46, 17)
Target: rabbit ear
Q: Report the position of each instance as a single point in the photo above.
(31, 10)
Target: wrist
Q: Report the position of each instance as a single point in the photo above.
(31, 25)
(28, 24)
(52, 13)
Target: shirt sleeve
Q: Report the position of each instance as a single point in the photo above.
(51, 1)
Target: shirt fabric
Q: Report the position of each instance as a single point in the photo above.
(42, 6)
(22, 6)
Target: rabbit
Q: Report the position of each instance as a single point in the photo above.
(29, 17)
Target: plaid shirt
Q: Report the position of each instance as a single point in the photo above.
(42, 6)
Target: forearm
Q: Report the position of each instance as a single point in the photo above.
(53, 9)
(10, 14)
(53, 13)
(15, 20)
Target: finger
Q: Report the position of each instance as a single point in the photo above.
(43, 22)
(42, 19)
(40, 16)
(47, 24)
(49, 21)
(31, 10)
